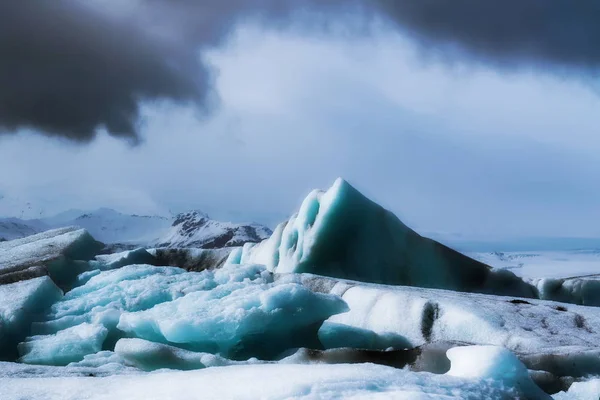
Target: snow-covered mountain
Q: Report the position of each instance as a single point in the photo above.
(15, 228)
(196, 229)
(190, 229)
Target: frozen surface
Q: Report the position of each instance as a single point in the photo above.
(332, 335)
(106, 295)
(60, 251)
(589, 390)
(150, 356)
(20, 304)
(341, 233)
(104, 363)
(238, 320)
(492, 362)
(567, 276)
(555, 337)
(545, 264)
(66, 346)
(269, 381)
(118, 260)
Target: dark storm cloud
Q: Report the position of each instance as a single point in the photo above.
(67, 69)
(548, 33)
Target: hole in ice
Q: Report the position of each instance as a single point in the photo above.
(519, 301)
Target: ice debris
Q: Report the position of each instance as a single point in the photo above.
(503, 378)
(20, 304)
(340, 233)
(238, 320)
(62, 252)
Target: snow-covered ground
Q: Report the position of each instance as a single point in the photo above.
(343, 282)
(547, 264)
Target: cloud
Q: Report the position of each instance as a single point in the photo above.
(68, 70)
(558, 33)
(70, 67)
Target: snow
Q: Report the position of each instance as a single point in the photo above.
(118, 260)
(191, 229)
(237, 320)
(556, 337)
(15, 228)
(588, 390)
(492, 362)
(20, 303)
(545, 264)
(567, 276)
(267, 381)
(340, 233)
(196, 229)
(59, 250)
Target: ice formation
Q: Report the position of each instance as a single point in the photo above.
(588, 390)
(20, 304)
(62, 252)
(340, 233)
(277, 381)
(150, 356)
(282, 308)
(64, 347)
(559, 338)
(108, 294)
(237, 320)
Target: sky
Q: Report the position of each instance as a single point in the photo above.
(451, 135)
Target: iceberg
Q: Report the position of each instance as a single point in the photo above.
(237, 320)
(107, 294)
(587, 390)
(559, 338)
(340, 233)
(62, 252)
(20, 304)
(64, 347)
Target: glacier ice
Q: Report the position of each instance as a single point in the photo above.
(122, 259)
(277, 381)
(340, 233)
(64, 347)
(150, 356)
(62, 252)
(555, 337)
(580, 290)
(20, 304)
(237, 320)
(332, 335)
(492, 362)
(107, 294)
(587, 390)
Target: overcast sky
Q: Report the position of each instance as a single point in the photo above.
(450, 145)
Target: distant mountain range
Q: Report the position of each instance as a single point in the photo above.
(189, 229)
